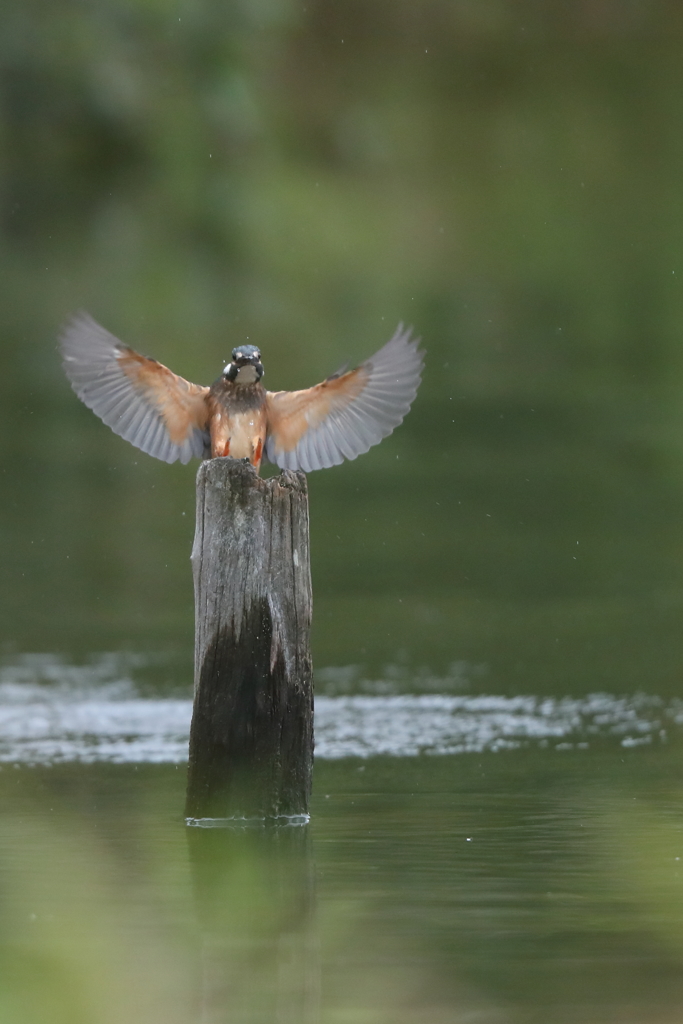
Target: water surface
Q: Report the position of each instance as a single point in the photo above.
(51, 712)
(512, 886)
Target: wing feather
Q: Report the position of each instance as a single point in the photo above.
(348, 414)
(349, 440)
(139, 398)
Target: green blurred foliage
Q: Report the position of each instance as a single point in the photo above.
(505, 176)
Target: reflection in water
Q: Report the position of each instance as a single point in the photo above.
(500, 888)
(255, 895)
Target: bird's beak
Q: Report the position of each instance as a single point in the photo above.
(238, 363)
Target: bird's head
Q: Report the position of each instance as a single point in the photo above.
(245, 367)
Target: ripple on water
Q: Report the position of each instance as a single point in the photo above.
(52, 712)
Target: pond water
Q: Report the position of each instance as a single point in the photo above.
(497, 818)
(51, 712)
(500, 888)
(468, 857)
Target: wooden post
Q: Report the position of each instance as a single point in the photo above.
(251, 740)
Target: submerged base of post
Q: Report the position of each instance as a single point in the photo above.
(251, 740)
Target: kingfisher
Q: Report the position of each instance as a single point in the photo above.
(172, 419)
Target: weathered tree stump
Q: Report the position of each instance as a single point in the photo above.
(251, 740)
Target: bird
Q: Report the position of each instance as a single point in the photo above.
(173, 420)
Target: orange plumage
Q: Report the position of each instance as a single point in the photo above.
(170, 418)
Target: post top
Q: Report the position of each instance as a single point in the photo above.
(239, 472)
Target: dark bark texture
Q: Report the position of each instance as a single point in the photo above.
(251, 740)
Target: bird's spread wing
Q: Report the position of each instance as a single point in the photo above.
(141, 400)
(346, 414)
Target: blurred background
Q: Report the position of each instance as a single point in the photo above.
(503, 176)
(507, 177)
